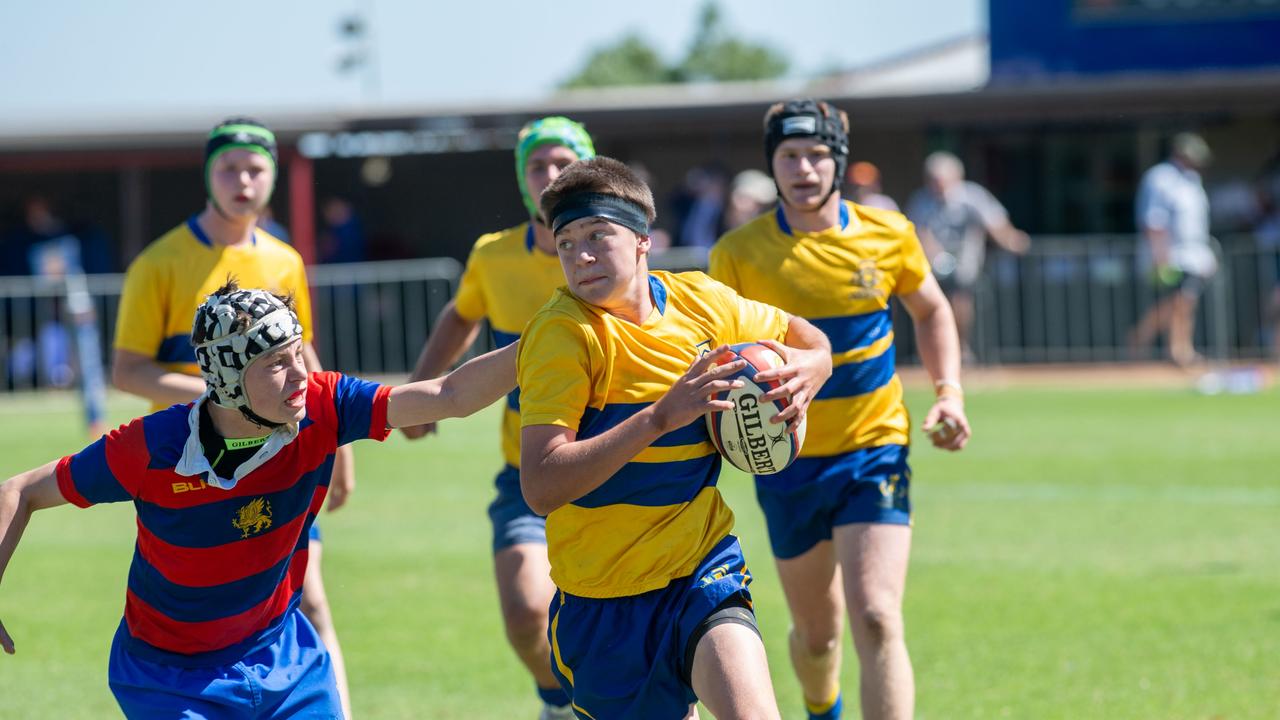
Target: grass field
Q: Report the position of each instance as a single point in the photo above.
(1093, 554)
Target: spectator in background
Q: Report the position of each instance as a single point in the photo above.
(1174, 246)
(342, 239)
(1267, 235)
(699, 207)
(863, 180)
(752, 194)
(953, 218)
(267, 221)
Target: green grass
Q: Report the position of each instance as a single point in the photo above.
(1093, 554)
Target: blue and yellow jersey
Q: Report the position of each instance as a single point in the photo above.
(507, 279)
(173, 275)
(586, 370)
(840, 280)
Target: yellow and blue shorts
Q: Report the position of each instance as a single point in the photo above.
(290, 678)
(514, 522)
(627, 658)
(804, 502)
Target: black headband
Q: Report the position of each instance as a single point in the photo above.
(610, 207)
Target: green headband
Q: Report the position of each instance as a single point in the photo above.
(239, 136)
(554, 130)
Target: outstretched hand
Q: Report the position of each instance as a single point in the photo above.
(691, 396)
(802, 374)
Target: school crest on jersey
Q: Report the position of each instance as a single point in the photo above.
(253, 518)
(866, 282)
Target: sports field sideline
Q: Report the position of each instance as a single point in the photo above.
(1101, 550)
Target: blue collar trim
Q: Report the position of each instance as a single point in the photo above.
(196, 230)
(786, 229)
(659, 293)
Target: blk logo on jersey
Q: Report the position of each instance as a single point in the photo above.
(253, 518)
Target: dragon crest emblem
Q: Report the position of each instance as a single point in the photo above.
(253, 518)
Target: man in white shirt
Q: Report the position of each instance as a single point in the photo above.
(1174, 245)
(953, 218)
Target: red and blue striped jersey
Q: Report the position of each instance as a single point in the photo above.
(215, 571)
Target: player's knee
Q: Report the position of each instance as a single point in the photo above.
(878, 624)
(526, 623)
(814, 643)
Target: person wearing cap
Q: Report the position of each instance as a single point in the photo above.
(954, 217)
(166, 281)
(226, 489)
(1174, 246)
(616, 371)
(864, 185)
(751, 193)
(839, 517)
(509, 275)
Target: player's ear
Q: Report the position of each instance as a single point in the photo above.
(643, 243)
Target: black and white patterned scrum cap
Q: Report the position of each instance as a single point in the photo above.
(223, 351)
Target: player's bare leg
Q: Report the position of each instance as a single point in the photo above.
(874, 559)
(1182, 322)
(315, 605)
(731, 674)
(815, 595)
(524, 594)
(1153, 322)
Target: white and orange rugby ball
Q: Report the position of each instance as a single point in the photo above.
(744, 435)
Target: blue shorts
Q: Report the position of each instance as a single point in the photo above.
(290, 678)
(623, 658)
(314, 534)
(805, 501)
(513, 521)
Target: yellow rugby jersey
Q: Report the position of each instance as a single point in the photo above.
(172, 276)
(840, 280)
(506, 280)
(584, 369)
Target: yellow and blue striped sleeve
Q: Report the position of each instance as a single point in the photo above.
(140, 323)
(469, 301)
(554, 371)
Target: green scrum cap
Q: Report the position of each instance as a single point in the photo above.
(241, 134)
(554, 130)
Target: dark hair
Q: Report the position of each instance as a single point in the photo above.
(243, 320)
(602, 175)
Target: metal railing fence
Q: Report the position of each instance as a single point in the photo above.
(1070, 299)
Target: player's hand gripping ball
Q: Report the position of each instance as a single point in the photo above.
(745, 436)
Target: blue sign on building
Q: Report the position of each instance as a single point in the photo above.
(1032, 39)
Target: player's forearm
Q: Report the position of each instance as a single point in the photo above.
(147, 379)
(19, 497)
(805, 335)
(474, 386)
(451, 337)
(552, 478)
(1158, 240)
(939, 343)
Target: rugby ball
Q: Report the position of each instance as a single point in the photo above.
(744, 435)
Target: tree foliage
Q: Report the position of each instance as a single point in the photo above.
(714, 55)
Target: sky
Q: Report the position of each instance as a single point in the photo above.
(62, 58)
